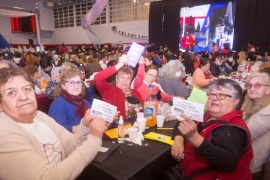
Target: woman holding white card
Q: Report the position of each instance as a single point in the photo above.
(128, 101)
(33, 145)
(220, 146)
(69, 106)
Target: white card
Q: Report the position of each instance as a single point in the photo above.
(191, 109)
(103, 149)
(103, 109)
(134, 54)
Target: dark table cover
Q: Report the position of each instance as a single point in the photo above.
(148, 161)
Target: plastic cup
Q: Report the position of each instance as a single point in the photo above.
(141, 122)
(132, 134)
(140, 115)
(160, 120)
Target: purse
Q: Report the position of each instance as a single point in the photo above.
(175, 173)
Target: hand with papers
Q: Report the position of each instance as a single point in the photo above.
(96, 124)
(188, 129)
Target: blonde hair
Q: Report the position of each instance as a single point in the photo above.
(242, 57)
(249, 106)
(67, 73)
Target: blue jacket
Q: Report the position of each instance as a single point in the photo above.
(63, 112)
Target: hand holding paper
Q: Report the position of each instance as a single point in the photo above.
(104, 110)
(97, 126)
(123, 60)
(193, 110)
(134, 54)
(188, 129)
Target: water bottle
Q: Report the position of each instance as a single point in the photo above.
(82, 71)
(121, 130)
(150, 108)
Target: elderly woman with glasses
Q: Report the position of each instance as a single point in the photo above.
(202, 76)
(69, 106)
(219, 147)
(33, 145)
(148, 75)
(128, 101)
(256, 109)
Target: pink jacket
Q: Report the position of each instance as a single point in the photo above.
(142, 87)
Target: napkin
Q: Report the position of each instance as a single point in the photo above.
(159, 137)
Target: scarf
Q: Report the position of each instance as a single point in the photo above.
(76, 100)
(207, 75)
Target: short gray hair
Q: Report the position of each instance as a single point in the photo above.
(262, 75)
(231, 85)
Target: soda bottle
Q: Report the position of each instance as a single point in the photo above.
(82, 71)
(150, 108)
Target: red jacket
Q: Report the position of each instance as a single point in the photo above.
(112, 94)
(193, 162)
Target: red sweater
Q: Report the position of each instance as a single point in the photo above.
(112, 94)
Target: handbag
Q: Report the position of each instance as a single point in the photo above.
(175, 173)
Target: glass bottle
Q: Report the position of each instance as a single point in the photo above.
(121, 130)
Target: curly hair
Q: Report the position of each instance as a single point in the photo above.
(170, 68)
(65, 75)
(232, 86)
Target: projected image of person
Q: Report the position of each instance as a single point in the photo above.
(190, 28)
(209, 23)
(207, 28)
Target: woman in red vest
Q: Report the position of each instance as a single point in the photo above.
(219, 147)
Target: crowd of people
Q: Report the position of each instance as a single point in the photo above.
(231, 142)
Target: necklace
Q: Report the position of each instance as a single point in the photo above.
(127, 93)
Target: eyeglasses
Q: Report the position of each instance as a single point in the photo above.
(72, 83)
(152, 76)
(256, 85)
(219, 96)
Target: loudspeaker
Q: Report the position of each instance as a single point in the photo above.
(31, 42)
